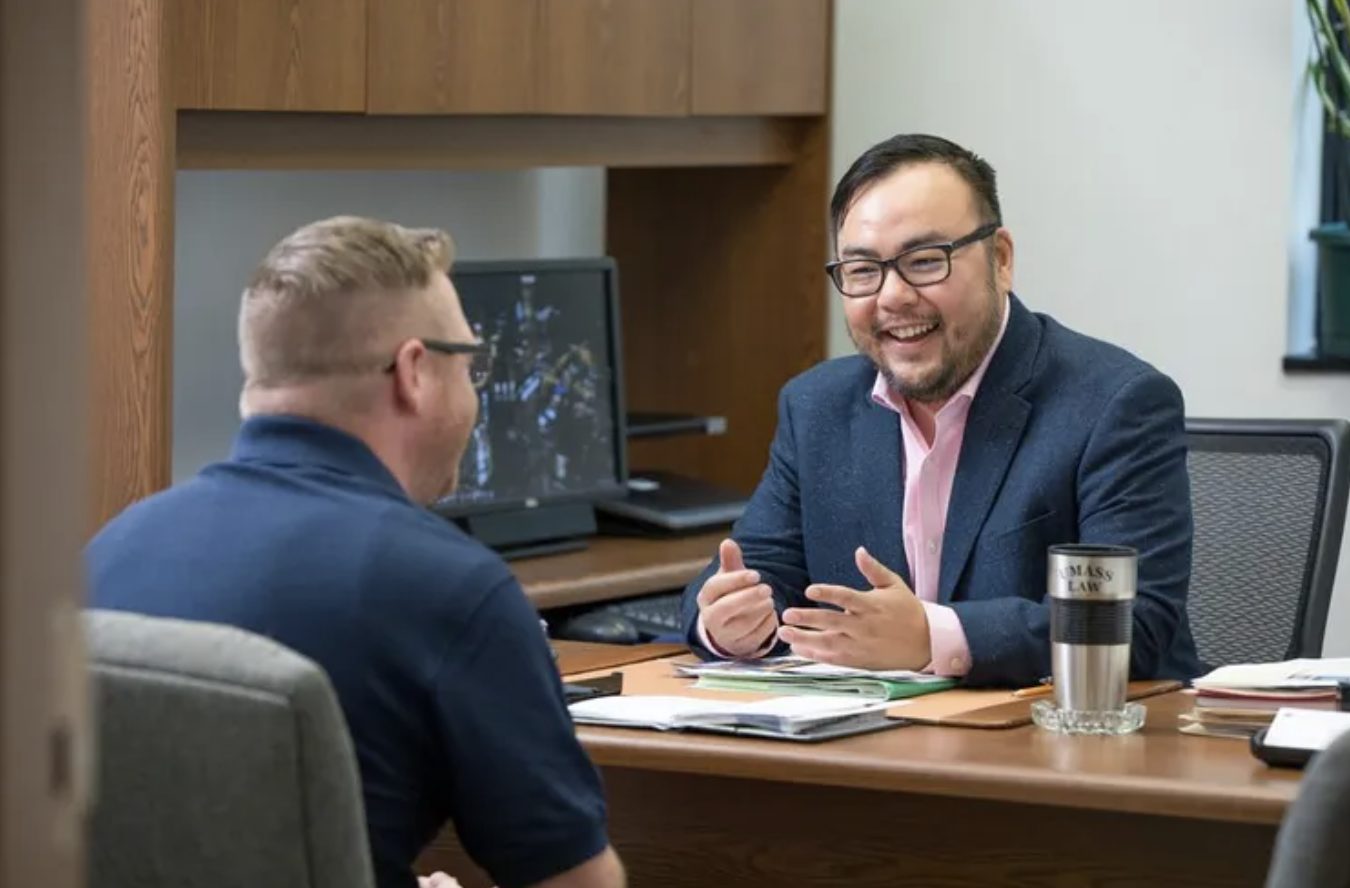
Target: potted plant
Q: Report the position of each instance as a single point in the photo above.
(1329, 72)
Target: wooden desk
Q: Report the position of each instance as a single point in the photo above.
(947, 807)
(615, 567)
(577, 658)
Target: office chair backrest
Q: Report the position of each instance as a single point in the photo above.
(1269, 499)
(223, 761)
(1310, 849)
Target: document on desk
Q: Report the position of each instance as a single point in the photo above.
(1319, 672)
(800, 676)
(788, 718)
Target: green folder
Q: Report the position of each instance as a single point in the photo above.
(865, 688)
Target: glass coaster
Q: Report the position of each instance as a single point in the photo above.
(1048, 715)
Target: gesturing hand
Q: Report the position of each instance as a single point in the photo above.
(736, 608)
(437, 880)
(884, 628)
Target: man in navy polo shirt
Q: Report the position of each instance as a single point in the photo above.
(358, 400)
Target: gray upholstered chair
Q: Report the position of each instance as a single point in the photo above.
(1310, 850)
(223, 761)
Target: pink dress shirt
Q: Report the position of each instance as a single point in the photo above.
(930, 469)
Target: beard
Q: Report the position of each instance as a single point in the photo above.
(956, 361)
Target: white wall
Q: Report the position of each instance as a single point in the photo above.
(226, 221)
(1155, 171)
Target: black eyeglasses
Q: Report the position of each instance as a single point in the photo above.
(920, 266)
(480, 369)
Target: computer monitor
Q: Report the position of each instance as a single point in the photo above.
(550, 440)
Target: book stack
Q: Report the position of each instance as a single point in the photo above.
(1239, 700)
(799, 676)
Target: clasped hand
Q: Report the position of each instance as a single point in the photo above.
(736, 609)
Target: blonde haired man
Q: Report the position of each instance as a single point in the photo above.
(358, 400)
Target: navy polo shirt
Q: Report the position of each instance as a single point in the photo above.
(444, 675)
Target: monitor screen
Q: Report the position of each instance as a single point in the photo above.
(550, 414)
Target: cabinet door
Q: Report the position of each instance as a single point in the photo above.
(760, 57)
(614, 57)
(270, 55)
(452, 56)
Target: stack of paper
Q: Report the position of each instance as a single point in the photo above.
(1239, 700)
(785, 716)
(797, 675)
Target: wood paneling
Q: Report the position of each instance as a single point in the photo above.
(217, 140)
(760, 56)
(452, 56)
(724, 299)
(627, 57)
(130, 229)
(44, 440)
(270, 55)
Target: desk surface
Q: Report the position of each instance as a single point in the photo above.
(614, 567)
(1156, 771)
(581, 657)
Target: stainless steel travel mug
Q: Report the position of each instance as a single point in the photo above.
(1091, 590)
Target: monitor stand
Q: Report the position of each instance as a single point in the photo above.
(528, 533)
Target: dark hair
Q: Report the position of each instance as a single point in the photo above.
(886, 157)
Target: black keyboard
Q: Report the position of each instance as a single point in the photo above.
(653, 615)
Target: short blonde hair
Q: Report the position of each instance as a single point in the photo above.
(334, 296)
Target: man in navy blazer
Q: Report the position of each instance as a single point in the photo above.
(912, 490)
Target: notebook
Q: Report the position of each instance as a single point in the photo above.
(779, 718)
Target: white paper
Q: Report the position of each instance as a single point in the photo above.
(642, 709)
(672, 711)
(1310, 729)
(1304, 673)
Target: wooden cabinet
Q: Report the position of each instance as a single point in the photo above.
(270, 55)
(618, 57)
(760, 57)
(452, 56)
(602, 57)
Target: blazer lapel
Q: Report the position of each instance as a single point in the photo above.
(879, 478)
(994, 428)
(991, 440)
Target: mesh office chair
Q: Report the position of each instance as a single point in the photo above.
(1269, 501)
(224, 761)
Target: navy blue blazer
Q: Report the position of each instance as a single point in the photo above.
(1069, 439)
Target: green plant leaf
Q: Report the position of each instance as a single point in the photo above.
(1330, 61)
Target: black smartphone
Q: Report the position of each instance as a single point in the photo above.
(1280, 756)
(604, 686)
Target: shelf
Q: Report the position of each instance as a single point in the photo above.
(657, 425)
(1315, 364)
(309, 141)
(613, 568)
